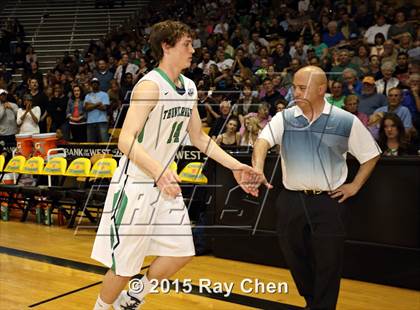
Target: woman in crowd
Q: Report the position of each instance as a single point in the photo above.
(115, 99)
(321, 49)
(262, 115)
(362, 58)
(76, 115)
(392, 138)
(231, 136)
(378, 48)
(251, 132)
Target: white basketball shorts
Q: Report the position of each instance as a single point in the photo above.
(138, 221)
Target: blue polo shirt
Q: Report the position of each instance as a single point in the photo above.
(97, 116)
(313, 154)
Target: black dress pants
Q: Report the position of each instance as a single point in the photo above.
(311, 234)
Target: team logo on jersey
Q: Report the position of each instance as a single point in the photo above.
(190, 91)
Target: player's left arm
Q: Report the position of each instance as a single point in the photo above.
(243, 174)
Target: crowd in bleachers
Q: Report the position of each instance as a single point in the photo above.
(246, 53)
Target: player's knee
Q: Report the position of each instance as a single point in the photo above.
(184, 260)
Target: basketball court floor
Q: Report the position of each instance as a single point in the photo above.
(49, 267)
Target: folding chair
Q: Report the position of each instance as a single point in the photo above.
(94, 197)
(33, 167)
(47, 196)
(79, 169)
(9, 192)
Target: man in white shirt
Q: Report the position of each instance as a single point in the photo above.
(206, 63)
(314, 138)
(126, 67)
(380, 26)
(223, 63)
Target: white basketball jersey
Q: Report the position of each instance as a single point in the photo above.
(165, 128)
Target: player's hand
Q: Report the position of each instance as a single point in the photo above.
(167, 182)
(249, 179)
(344, 191)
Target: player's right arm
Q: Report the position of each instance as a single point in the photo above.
(144, 98)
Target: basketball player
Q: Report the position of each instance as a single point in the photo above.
(144, 213)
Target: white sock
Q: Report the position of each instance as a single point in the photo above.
(101, 305)
(147, 286)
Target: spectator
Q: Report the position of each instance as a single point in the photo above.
(223, 63)
(39, 99)
(346, 26)
(351, 104)
(362, 58)
(76, 115)
(57, 111)
(281, 104)
(307, 31)
(96, 104)
(117, 111)
(251, 131)
(143, 68)
(321, 49)
(401, 26)
(31, 56)
(262, 116)
(8, 125)
(127, 86)
(262, 54)
(28, 117)
(217, 128)
(392, 137)
(262, 71)
(388, 81)
(256, 42)
(103, 75)
(401, 70)
(343, 63)
(380, 27)
(332, 37)
(206, 63)
(125, 67)
(281, 60)
(299, 51)
(411, 99)
(378, 48)
(370, 100)
(247, 103)
(405, 42)
(390, 52)
(271, 96)
(351, 84)
(374, 68)
(231, 136)
(336, 98)
(394, 106)
(35, 73)
(242, 60)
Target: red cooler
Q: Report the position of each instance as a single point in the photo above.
(43, 142)
(24, 145)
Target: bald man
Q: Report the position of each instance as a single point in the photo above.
(314, 137)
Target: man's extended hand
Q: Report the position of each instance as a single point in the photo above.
(250, 179)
